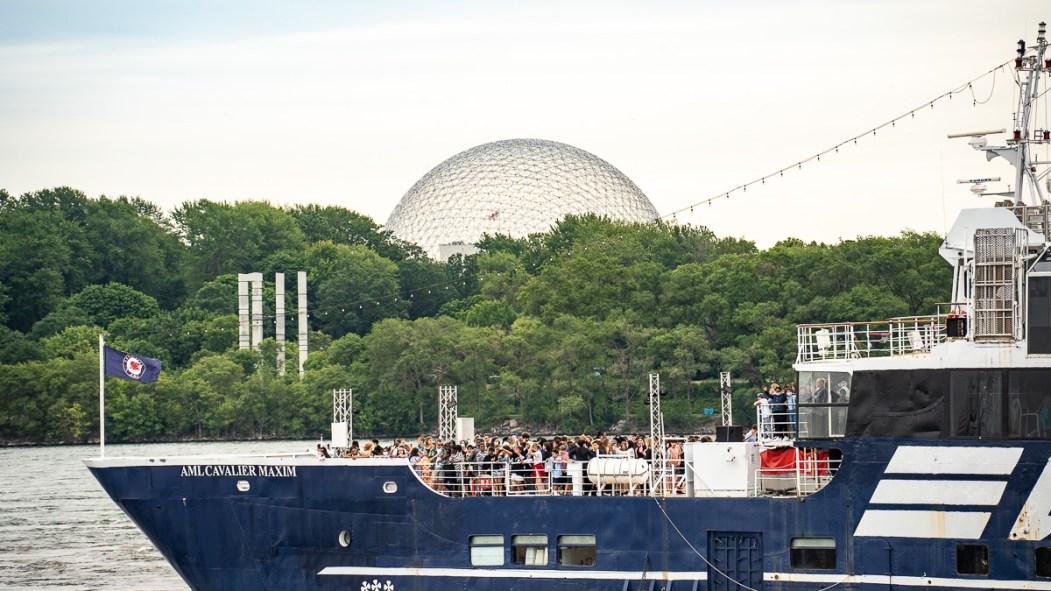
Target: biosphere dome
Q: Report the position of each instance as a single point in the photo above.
(514, 187)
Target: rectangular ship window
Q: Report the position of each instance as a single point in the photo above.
(487, 550)
(576, 550)
(1028, 404)
(1043, 562)
(813, 553)
(976, 404)
(530, 550)
(1039, 325)
(823, 400)
(972, 559)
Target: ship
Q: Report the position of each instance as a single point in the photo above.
(916, 457)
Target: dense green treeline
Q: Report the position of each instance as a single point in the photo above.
(556, 330)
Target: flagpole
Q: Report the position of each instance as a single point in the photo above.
(102, 397)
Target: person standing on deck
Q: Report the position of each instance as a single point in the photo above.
(762, 403)
(778, 410)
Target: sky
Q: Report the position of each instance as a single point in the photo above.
(350, 103)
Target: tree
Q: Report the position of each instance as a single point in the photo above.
(342, 226)
(407, 361)
(683, 355)
(105, 303)
(355, 288)
(15, 347)
(218, 296)
(500, 277)
(72, 342)
(224, 239)
(33, 257)
(425, 284)
(57, 241)
(489, 313)
(133, 243)
(213, 387)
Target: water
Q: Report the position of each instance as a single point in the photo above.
(59, 530)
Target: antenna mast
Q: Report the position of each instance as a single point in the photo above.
(1030, 64)
(1034, 65)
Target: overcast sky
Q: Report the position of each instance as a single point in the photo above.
(350, 103)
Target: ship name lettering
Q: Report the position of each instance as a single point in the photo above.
(239, 471)
(277, 471)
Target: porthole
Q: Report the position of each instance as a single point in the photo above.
(243, 485)
(344, 539)
(390, 487)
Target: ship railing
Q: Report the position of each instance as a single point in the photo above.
(1034, 217)
(907, 335)
(776, 425)
(486, 479)
(809, 471)
(473, 479)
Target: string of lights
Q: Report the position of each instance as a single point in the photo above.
(410, 294)
(853, 140)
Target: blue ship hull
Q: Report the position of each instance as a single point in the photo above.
(285, 530)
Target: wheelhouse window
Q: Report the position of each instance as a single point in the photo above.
(1028, 404)
(1042, 560)
(824, 397)
(813, 553)
(972, 559)
(976, 403)
(1002, 403)
(576, 550)
(487, 550)
(530, 550)
(1039, 324)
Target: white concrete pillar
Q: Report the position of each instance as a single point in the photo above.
(301, 277)
(257, 309)
(244, 335)
(279, 320)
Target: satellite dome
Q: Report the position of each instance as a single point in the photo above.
(513, 187)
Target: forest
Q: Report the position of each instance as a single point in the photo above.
(556, 331)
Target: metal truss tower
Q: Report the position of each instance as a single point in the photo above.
(660, 470)
(447, 412)
(342, 416)
(726, 391)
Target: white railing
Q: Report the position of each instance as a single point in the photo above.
(810, 471)
(776, 427)
(908, 335)
(473, 479)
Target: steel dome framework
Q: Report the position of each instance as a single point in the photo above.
(514, 187)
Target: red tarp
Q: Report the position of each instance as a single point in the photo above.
(792, 459)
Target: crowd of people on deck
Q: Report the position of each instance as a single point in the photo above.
(512, 464)
(777, 409)
(522, 464)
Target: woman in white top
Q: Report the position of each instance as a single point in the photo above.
(765, 418)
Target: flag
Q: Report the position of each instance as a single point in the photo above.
(132, 367)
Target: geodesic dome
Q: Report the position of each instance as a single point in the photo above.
(514, 187)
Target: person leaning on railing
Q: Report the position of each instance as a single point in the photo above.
(559, 468)
(454, 470)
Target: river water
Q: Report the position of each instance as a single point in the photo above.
(59, 530)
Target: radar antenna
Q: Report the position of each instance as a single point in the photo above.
(1030, 65)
